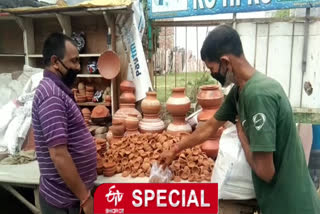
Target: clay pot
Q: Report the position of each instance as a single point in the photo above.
(86, 112)
(80, 98)
(211, 147)
(150, 104)
(100, 111)
(210, 98)
(132, 122)
(178, 105)
(124, 110)
(117, 128)
(109, 64)
(127, 85)
(127, 97)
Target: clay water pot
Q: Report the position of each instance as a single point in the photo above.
(151, 105)
(124, 110)
(127, 85)
(210, 97)
(178, 105)
(117, 128)
(107, 100)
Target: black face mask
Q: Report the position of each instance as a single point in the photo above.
(218, 76)
(69, 78)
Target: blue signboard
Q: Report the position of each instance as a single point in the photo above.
(159, 9)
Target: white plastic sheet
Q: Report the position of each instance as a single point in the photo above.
(232, 171)
(132, 29)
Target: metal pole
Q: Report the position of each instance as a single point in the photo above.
(165, 63)
(305, 49)
(186, 71)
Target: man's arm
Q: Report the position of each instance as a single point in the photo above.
(201, 134)
(260, 162)
(68, 171)
(197, 137)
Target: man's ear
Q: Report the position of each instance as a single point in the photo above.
(54, 62)
(225, 63)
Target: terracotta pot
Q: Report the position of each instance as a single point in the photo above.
(100, 111)
(127, 97)
(151, 125)
(178, 103)
(210, 98)
(117, 128)
(109, 64)
(132, 122)
(211, 147)
(89, 88)
(124, 110)
(86, 111)
(127, 85)
(150, 104)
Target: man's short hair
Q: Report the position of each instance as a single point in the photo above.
(55, 45)
(220, 41)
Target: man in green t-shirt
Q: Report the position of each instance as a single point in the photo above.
(265, 124)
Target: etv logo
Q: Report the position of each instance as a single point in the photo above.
(114, 196)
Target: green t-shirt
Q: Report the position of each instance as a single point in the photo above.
(266, 116)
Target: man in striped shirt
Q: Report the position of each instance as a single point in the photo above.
(64, 146)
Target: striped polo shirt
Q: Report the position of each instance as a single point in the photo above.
(57, 120)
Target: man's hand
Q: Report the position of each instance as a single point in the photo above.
(167, 157)
(88, 207)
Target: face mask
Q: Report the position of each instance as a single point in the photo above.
(69, 78)
(218, 76)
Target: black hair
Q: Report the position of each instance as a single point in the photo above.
(220, 41)
(55, 45)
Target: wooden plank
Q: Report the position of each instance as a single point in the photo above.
(89, 75)
(12, 55)
(90, 55)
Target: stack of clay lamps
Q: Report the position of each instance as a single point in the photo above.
(109, 169)
(81, 96)
(134, 155)
(89, 92)
(86, 115)
(151, 107)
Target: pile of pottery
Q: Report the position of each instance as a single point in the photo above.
(192, 165)
(151, 121)
(210, 99)
(84, 93)
(127, 102)
(100, 114)
(134, 154)
(86, 115)
(178, 105)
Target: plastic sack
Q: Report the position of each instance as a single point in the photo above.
(158, 175)
(232, 171)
